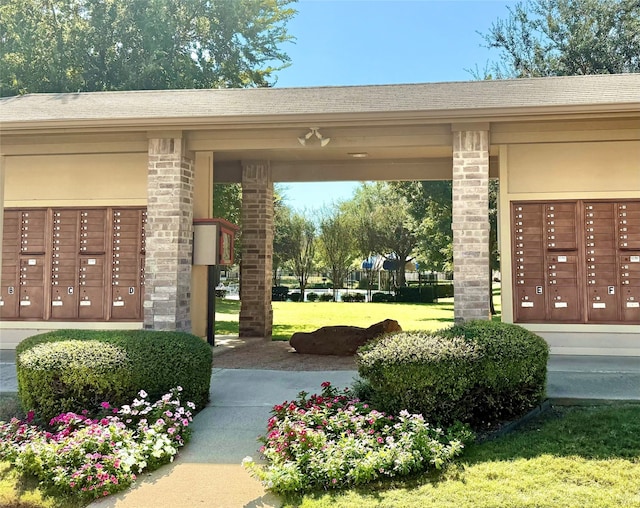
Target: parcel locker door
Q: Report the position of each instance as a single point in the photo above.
(64, 264)
(631, 304)
(31, 305)
(530, 304)
(92, 287)
(10, 276)
(125, 302)
(603, 304)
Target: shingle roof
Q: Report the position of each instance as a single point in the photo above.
(622, 90)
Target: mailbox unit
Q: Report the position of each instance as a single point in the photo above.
(576, 261)
(73, 264)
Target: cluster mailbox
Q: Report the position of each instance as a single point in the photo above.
(73, 263)
(576, 261)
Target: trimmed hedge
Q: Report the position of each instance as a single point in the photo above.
(279, 293)
(424, 294)
(353, 297)
(479, 372)
(72, 370)
(326, 297)
(382, 297)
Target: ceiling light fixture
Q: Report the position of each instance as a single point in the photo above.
(314, 131)
(358, 155)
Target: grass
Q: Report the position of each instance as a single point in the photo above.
(291, 317)
(570, 457)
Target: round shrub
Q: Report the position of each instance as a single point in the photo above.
(353, 297)
(295, 297)
(382, 297)
(326, 297)
(72, 370)
(312, 297)
(57, 376)
(479, 372)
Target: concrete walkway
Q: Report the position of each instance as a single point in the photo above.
(208, 473)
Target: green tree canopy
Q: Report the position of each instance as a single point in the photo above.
(336, 244)
(566, 37)
(97, 45)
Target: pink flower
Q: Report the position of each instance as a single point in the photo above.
(30, 416)
(326, 384)
(105, 405)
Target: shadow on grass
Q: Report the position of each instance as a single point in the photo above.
(227, 327)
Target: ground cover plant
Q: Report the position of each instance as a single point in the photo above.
(569, 457)
(333, 440)
(78, 457)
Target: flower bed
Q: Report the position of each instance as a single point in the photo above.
(333, 440)
(93, 456)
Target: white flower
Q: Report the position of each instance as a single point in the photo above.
(143, 394)
(247, 460)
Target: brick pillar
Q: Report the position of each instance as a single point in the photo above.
(471, 224)
(256, 315)
(169, 236)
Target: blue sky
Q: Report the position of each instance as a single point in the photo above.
(363, 42)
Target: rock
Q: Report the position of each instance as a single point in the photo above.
(340, 340)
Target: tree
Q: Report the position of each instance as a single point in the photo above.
(566, 37)
(430, 206)
(96, 45)
(336, 245)
(385, 227)
(299, 247)
(281, 235)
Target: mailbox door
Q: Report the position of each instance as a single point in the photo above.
(127, 244)
(10, 283)
(64, 268)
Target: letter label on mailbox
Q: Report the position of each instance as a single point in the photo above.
(70, 290)
(132, 290)
(538, 290)
(11, 290)
(611, 290)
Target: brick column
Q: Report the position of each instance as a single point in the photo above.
(471, 224)
(256, 315)
(169, 236)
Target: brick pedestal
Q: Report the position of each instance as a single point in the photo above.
(256, 315)
(471, 224)
(169, 233)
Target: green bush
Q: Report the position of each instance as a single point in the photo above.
(294, 297)
(279, 293)
(480, 372)
(424, 294)
(326, 297)
(382, 298)
(71, 370)
(312, 297)
(444, 290)
(353, 297)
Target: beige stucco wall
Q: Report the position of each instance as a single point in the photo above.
(552, 171)
(202, 208)
(76, 180)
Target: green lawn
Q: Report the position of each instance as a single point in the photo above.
(569, 458)
(291, 317)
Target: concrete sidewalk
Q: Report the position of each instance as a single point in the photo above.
(208, 472)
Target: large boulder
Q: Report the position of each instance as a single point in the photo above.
(340, 340)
